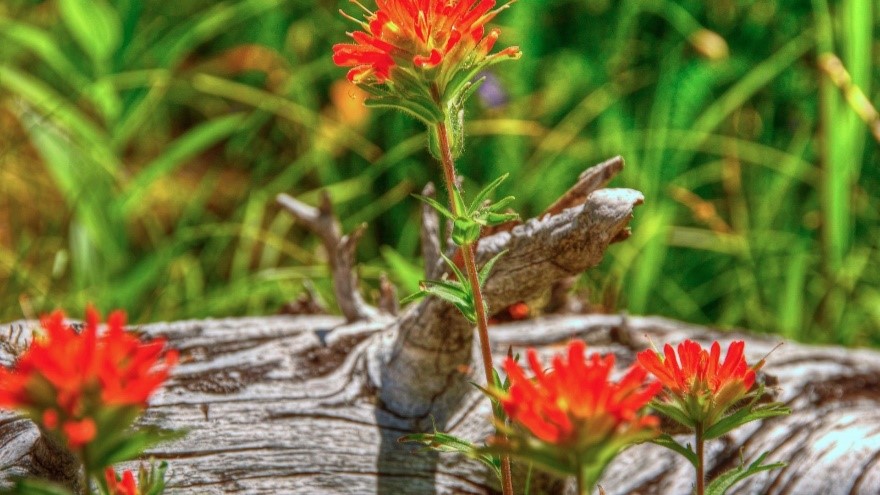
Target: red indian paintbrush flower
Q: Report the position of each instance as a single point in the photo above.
(419, 35)
(67, 381)
(126, 486)
(697, 382)
(425, 55)
(574, 413)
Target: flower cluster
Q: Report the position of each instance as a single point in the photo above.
(574, 413)
(413, 37)
(424, 57)
(71, 383)
(697, 382)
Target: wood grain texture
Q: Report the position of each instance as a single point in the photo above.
(286, 405)
(419, 370)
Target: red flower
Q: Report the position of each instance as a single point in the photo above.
(65, 379)
(698, 381)
(414, 36)
(80, 432)
(575, 410)
(126, 487)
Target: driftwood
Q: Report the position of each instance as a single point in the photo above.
(315, 404)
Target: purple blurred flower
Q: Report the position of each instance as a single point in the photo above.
(491, 93)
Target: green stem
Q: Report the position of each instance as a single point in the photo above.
(701, 475)
(583, 485)
(470, 265)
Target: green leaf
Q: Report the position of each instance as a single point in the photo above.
(726, 480)
(45, 46)
(452, 292)
(36, 487)
(63, 113)
(413, 297)
(673, 412)
(458, 274)
(459, 84)
(468, 90)
(106, 99)
(746, 415)
(487, 268)
(436, 205)
(667, 441)
(459, 201)
(132, 445)
(498, 206)
(152, 482)
(141, 106)
(465, 231)
(374, 90)
(448, 291)
(484, 194)
(94, 25)
(427, 113)
(176, 44)
(500, 218)
(443, 442)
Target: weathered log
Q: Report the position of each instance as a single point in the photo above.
(315, 404)
(284, 405)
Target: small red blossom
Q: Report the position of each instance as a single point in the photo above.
(420, 35)
(65, 379)
(576, 405)
(696, 379)
(126, 486)
(80, 432)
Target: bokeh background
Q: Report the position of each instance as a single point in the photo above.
(142, 143)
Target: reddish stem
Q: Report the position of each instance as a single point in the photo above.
(471, 269)
(701, 472)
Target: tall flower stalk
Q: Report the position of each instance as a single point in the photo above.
(470, 265)
(423, 57)
(709, 397)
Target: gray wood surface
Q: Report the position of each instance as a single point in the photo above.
(285, 405)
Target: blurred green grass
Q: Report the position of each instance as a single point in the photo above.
(143, 142)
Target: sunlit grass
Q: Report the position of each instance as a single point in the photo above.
(164, 144)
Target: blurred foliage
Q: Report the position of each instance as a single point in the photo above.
(143, 142)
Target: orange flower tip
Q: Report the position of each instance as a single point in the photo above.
(50, 419)
(512, 52)
(128, 484)
(79, 433)
(116, 320)
(429, 62)
(110, 477)
(353, 19)
(760, 364)
(93, 317)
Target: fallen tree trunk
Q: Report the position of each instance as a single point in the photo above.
(284, 405)
(315, 404)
